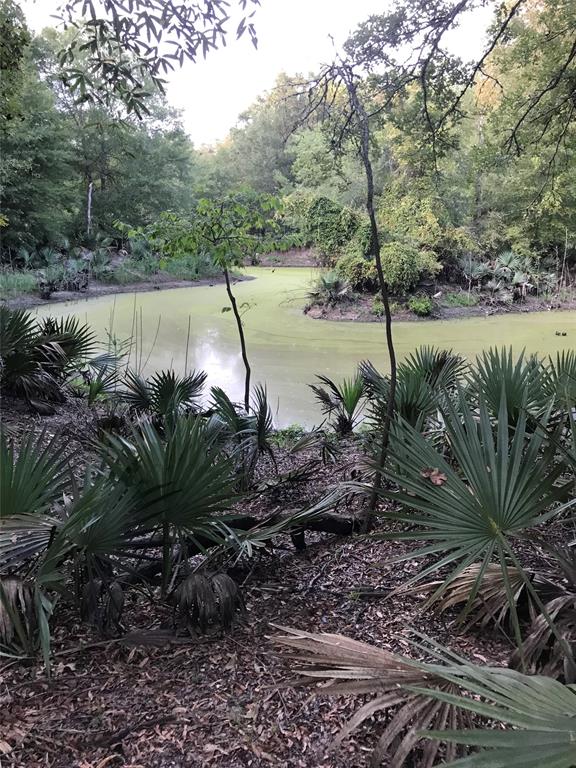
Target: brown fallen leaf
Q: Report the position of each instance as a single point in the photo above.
(434, 475)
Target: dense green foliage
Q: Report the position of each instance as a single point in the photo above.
(453, 213)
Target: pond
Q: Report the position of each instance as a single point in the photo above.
(286, 348)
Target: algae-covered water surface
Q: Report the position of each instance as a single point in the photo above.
(287, 348)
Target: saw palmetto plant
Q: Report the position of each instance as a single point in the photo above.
(521, 380)
(244, 436)
(182, 481)
(341, 403)
(164, 394)
(469, 507)
(36, 356)
(424, 379)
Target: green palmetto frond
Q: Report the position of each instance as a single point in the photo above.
(341, 402)
(436, 701)
(499, 484)
(33, 476)
(263, 421)
(540, 713)
(164, 393)
(245, 436)
(423, 381)
(17, 330)
(521, 380)
(185, 472)
(36, 356)
(76, 341)
(561, 380)
(441, 368)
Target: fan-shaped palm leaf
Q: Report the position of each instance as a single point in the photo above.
(76, 341)
(523, 382)
(341, 402)
(34, 476)
(499, 484)
(164, 393)
(190, 478)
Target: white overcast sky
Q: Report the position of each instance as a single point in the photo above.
(294, 37)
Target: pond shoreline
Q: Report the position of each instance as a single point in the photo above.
(360, 311)
(96, 289)
(356, 311)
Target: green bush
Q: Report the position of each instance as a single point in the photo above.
(404, 265)
(330, 226)
(287, 436)
(420, 305)
(377, 306)
(358, 271)
(189, 267)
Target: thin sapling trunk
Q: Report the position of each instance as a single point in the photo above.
(242, 340)
(364, 149)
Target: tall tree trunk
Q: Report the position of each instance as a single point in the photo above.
(242, 340)
(364, 148)
(89, 209)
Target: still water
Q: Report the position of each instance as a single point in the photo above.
(286, 348)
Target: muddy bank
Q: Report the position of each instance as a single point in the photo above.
(360, 310)
(107, 289)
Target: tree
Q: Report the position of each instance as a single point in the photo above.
(229, 230)
(63, 148)
(14, 39)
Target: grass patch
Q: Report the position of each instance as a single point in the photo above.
(460, 299)
(189, 268)
(15, 282)
(287, 436)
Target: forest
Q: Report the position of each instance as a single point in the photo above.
(193, 574)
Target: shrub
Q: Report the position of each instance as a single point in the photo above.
(330, 289)
(189, 267)
(330, 226)
(377, 306)
(421, 305)
(358, 271)
(287, 436)
(404, 265)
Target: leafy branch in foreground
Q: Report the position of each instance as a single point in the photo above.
(438, 702)
(132, 44)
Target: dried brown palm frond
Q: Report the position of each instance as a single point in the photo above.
(16, 611)
(102, 605)
(484, 596)
(201, 601)
(341, 665)
(542, 649)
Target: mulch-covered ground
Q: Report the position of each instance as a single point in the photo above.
(215, 700)
(150, 699)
